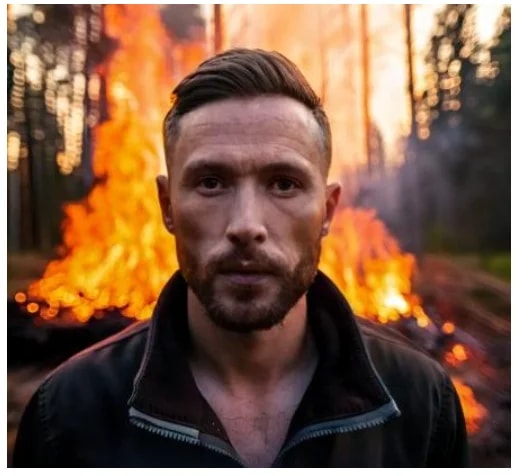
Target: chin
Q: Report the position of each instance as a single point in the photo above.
(246, 318)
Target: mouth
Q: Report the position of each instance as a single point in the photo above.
(240, 277)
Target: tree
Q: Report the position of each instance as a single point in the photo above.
(47, 49)
(464, 135)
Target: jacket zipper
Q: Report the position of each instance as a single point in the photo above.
(181, 433)
(370, 419)
(190, 435)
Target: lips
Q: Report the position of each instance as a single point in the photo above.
(245, 278)
(256, 266)
(246, 271)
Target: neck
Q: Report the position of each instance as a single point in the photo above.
(255, 360)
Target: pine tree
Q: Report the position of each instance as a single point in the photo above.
(464, 130)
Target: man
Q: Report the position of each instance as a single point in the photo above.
(252, 357)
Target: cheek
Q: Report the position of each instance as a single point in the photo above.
(196, 229)
(299, 230)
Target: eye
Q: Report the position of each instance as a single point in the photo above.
(210, 182)
(209, 185)
(285, 186)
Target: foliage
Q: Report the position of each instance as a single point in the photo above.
(463, 144)
(50, 58)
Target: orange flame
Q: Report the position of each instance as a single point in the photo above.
(366, 263)
(20, 297)
(118, 252)
(457, 355)
(448, 328)
(33, 307)
(474, 412)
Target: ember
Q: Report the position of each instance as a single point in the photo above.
(474, 412)
(448, 328)
(20, 297)
(457, 355)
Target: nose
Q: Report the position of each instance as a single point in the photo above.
(246, 226)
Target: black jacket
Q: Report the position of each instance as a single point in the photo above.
(131, 401)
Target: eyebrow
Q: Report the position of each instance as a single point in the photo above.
(215, 165)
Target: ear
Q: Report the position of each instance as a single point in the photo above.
(165, 202)
(332, 201)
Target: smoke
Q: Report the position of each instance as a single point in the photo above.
(184, 22)
(450, 193)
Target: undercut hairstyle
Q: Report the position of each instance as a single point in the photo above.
(242, 73)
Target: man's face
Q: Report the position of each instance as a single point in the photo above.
(247, 202)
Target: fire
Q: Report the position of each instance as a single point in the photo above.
(457, 355)
(366, 263)
(448, 328)
(33, 307)
(20, 297)
(422, 319)
(474, 412)
(118, 254)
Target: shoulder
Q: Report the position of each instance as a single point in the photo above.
(79, 400)
(102, 372)
(431, 413)
(410, 374)
(391, 351)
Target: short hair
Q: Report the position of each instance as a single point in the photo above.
(244, 73)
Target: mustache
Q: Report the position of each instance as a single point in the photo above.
(255, 261)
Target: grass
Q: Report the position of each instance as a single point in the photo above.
(498, 264)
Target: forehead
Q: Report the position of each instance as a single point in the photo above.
(264, 126)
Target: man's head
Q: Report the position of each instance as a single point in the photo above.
(248, 149)
(243, 73)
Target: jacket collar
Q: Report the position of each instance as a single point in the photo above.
(345, 382)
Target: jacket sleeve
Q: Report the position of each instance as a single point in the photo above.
(449, 443)
(35, 446)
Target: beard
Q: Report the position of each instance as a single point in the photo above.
(246, 309)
